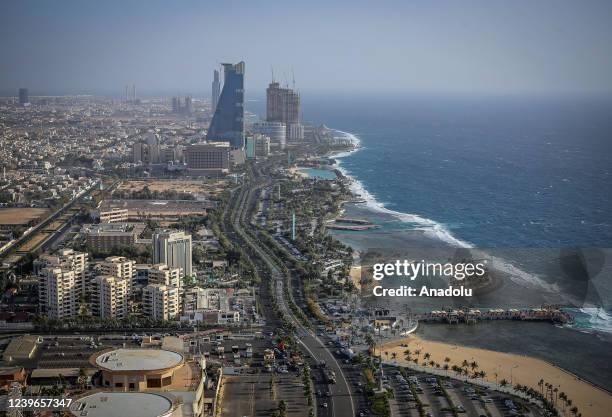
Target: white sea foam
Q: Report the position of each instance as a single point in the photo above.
(589, 319)
(430, 227)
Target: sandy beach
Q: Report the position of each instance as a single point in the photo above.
(590, 400)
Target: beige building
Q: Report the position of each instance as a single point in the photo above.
(110, 296)
(104, 237)
(119, 267)
(164, 275)
(57, 293)
(113, 215)
(160, 302)
(144, 383)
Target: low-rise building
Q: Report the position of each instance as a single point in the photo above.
(104, 237)
(208, 158)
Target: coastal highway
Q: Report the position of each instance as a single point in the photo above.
(341, 402)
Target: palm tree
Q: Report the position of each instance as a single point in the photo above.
(418, 353)
(574, 410)
(563, 397)
(393, 356)
(474, 365)
(426, 356)
(282, 408)
(465, 364)
(447, 359)
(503, 383)
(541, 385)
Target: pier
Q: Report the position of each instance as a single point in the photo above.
(473, 316)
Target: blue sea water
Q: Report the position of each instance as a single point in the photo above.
(496, 172)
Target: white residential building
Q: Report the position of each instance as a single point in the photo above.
(119, 267)
(160, 302)
(173, 248)
(110, 296)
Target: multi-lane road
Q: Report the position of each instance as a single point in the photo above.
(341, 402)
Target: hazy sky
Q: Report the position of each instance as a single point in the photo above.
(509, 46)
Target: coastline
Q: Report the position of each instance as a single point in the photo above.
(437, 231)
(591, 400)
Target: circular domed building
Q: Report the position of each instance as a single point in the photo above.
(137, 369)
(121, 404)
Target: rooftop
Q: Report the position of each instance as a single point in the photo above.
(138, 359)
(120, 404)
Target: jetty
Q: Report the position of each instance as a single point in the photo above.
(346, 223)
(473, 316)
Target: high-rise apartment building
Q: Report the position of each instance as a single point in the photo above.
(110, 296)
(57, 292)
(67, 260)
(61, 282)
(227, 124)
(173, 248)
(119, 267)
(216, 90)
(24, 96)
(164, 275)
(160, 302)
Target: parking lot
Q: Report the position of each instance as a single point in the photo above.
(260, 395)
(441, 396)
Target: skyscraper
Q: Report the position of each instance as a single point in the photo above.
(173, 248)
(23, 96)
(283, 105)
(216, 90)
(188, 109)
(227, 124)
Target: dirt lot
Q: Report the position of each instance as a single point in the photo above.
(202, 188)
(10, 216)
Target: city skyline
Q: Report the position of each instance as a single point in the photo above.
(480, 47)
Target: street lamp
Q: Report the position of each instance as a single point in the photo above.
(511, 382)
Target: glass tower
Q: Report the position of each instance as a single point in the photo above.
(227, 124)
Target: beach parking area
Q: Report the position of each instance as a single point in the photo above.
(590, 400)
